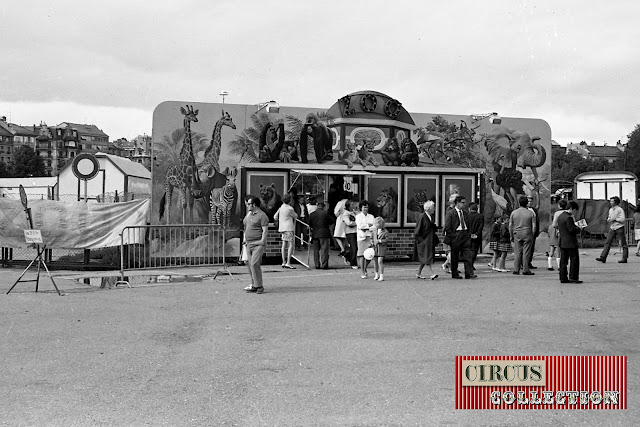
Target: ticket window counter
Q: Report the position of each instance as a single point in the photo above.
(327, 187)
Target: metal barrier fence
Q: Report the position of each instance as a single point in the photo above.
(159, 246)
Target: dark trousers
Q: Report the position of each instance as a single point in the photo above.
(475, 248)
(619, 233)
(321, 252)
(566, 255)
(461, 251)
(352, 241)
(523, 248)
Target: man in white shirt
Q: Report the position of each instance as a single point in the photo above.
(616, 219)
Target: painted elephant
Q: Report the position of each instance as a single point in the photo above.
(510, 150)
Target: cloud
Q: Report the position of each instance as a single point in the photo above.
(538, 58)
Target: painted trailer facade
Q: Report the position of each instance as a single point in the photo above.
(365, 145)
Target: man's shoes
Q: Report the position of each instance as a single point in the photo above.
(575, 281)
(259, 290)
(456, 277)
(472, 276)
(532, 266)
(622, 261)
(528, 273)
(564, 281)
(516, 272)
(248, 288)
(354, 267)
(550, 268)
(602, 260)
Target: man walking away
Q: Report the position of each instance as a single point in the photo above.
(522, 227)
(616, 220)
(320, 222)
(568, 241)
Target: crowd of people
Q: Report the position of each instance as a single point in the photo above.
(360, 238)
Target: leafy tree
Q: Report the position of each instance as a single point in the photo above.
(4, 170)
(565, 167)
(630, 160)
(26, 162)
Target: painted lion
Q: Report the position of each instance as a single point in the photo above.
(387, 203)
(350, 155)
(415, 207)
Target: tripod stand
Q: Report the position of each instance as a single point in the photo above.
(41, 262)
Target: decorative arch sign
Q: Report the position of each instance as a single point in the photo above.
(85, 166)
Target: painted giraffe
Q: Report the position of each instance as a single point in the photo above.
(212, 153)
(223, 199)
(183, 175)
(209, 170)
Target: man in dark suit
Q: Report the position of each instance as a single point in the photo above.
(476, 224)
(320, 221)
(568, 242)
(457, 229)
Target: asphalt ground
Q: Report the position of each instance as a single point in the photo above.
(320, 348)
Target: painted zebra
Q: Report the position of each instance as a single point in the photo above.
(223, 198)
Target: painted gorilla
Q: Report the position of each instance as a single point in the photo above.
(271, 143)
(322, 139)
(409, 154)
(391, 152)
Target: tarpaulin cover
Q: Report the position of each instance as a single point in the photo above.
(72, 225)
(595, 212)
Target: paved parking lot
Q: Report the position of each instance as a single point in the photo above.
(318, 348)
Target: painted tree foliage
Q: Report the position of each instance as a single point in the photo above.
(445, 142)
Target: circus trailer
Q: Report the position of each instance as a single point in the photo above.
(364, 146)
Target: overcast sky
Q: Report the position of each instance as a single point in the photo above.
(575, 64)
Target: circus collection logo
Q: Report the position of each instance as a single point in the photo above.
(541, 382)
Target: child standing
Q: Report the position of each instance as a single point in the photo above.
(493, 242)
(380, 237)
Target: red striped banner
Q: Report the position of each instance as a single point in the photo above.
(563, 382)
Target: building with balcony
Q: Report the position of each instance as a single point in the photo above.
(56, 145)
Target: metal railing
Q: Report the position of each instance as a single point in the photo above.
(151, 247)
(302, 229)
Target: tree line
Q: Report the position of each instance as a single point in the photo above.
(566, 166)
(25, 162)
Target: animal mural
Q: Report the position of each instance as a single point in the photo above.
(184, 175)
(510, 150)
(270, 200)
(272, 146)
(391, 152)
(415, 206)
(223, 200)
(387, 203)
(409, 154)
(322, 139)
(209, 170)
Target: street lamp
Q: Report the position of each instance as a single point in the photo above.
(223, 94)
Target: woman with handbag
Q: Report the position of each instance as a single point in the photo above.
(426, 239)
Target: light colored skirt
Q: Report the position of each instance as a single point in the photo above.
(363, 245)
